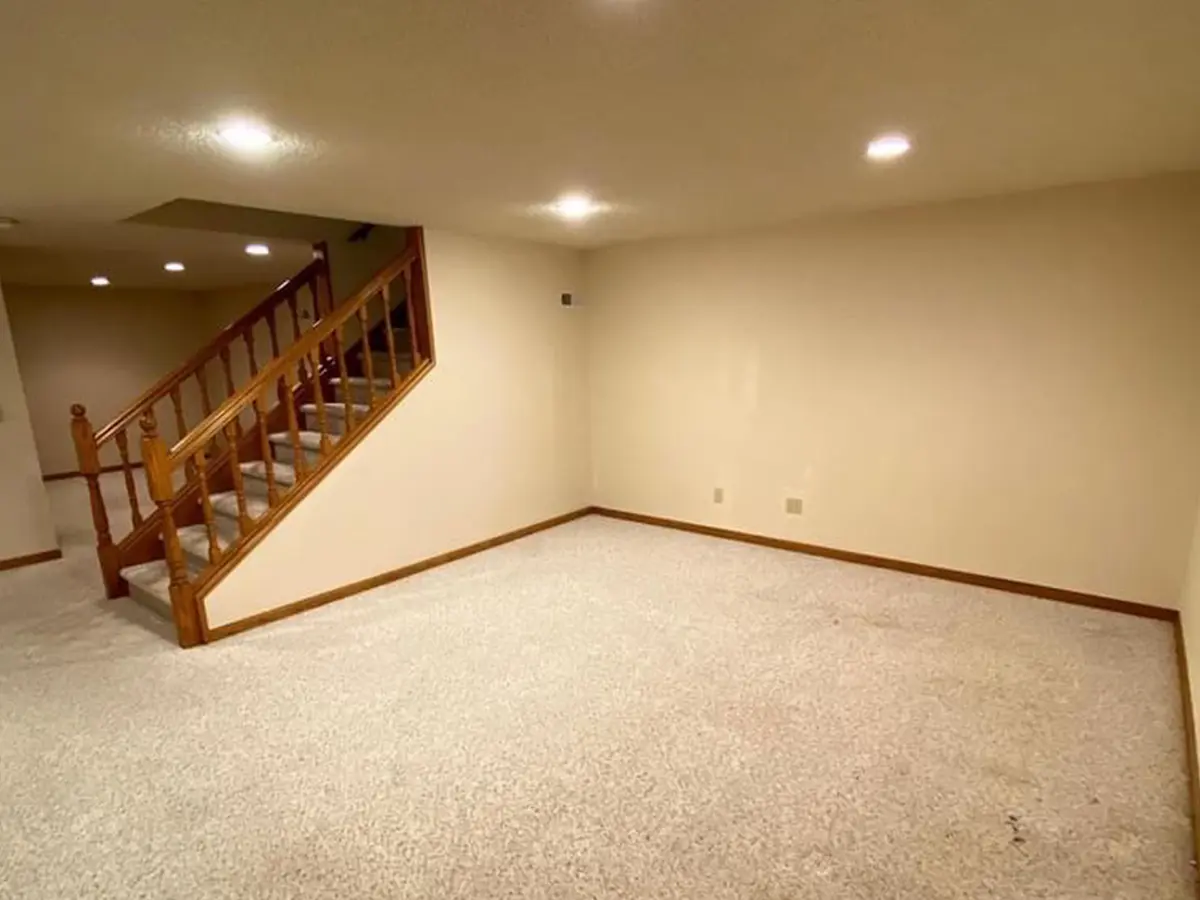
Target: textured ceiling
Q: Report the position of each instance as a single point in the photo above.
(133, 256)
(686, 115)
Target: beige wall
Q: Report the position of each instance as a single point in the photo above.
(1006, 386)
(101, 349)
(493, 439)
(25, 524)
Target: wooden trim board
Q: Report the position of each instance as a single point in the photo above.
(898, 565)
(31, 559)
(1189, 730)
(388, 577)
(62, 476)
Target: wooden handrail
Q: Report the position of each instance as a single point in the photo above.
(214, 424)
(132, 413)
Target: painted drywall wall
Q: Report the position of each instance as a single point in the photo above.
(1006, 386)
(101, 349)
(493, 439)
(25, 524)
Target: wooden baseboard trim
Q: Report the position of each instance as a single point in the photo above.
(899, 565)
(366, 584)
(32, 559)
(1189, 730)
(63, 476)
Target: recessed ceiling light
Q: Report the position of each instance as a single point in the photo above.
(258, 249)
(246, 137)
(7, 222)
(575, 207)
(887, 147)
(174, 267)
(100, 281)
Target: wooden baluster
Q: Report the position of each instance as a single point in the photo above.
(273, 330)
(239, 485)
(299, 463)
(229, 391)
(181, 428)
(210, 523)
(394, 375)
(158, 474)
(88, 455)
(347, 396)
(319, 399)
(135, 512)
(248, 337)
(260, 422)
(205, 400)
(414, 345)
(227, 369)
(291, 302)
(368, 363)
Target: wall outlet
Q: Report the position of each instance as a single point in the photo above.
(718, 495)
(793, 506)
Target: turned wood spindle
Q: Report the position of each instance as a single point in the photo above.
(344, 377)
(239, 485)
(210, 523)
(368, 362)
(158, 475)
(135, 511)
(88, 455)
(393, 374)
(299, 463)
(264, 438)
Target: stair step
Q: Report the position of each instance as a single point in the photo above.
(150, 585)
(338, 410)
(194, 540)
(359, 381)
(310, 443)
(225, 503)
(309, 440)
(285, 475)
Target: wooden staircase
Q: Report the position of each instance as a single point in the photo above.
(319, 377)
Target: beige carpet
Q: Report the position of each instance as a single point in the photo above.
(604, 710)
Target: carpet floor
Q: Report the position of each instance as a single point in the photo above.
(601, 710)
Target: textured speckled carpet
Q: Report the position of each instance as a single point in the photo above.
(602, 710)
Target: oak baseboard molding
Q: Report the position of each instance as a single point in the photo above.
(1189, 731)
(1062, 595)
(366, 584)
(31, 559)
(63, 476)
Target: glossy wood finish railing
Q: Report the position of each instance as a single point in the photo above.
(177, 396)
(313, 370)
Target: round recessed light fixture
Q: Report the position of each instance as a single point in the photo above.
(100, 281)
(245, 136)
(575, 207)
(8, 222)
(888, 147)
(258, 250)
(174, 267)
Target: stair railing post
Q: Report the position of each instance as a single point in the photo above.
(88, 455)
(156, 459)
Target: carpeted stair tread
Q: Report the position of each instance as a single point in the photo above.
(337, 410)
(285, 475)
(309, 440)
(225, 503)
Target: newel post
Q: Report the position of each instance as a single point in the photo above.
(88, 455)
(158, 475)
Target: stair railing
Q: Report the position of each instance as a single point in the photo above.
(304, 296)
(304, 372)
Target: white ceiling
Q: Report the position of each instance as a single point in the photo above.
(686, 115)
(61, 253)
